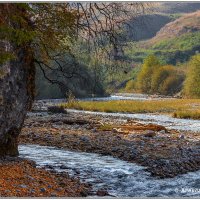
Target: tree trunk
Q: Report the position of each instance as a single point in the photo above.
(16, 96)
(16, 78)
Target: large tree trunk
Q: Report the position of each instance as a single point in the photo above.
(16, 95)
(16, 78)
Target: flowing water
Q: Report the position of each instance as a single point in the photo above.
(167, 121)
(119, 178)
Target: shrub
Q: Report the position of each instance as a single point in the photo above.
(154, 78)
(159, 77)
(72, 102)
(130, 85)
(187, 114)
(145, 75)
(192, 82)
(171, 85)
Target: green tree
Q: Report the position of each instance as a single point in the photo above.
(159, 76)
(144, 77)
(171, 85)
(130, 85)
(37, 34)
(192, 82)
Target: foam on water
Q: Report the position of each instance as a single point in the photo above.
(120, 178)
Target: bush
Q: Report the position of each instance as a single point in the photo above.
(159, 77)
(154, 78)
(144, 77)
(130, 85)
(192, 82)
(187, 115)
(71, 102)
(166, 80)
(171, 85)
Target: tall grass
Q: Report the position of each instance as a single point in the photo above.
(169, 106)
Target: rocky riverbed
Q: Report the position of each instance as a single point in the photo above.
(165, 153)
(109, 176)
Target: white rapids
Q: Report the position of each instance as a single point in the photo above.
(119, 178)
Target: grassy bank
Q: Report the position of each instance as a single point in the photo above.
(181, 108)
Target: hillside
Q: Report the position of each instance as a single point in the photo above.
(176, 42)
(186, 24)
(146, 26)
(177, 7)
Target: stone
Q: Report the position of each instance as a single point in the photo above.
(150, 133)
(115, 149)
(162, 132)
(102, 193)
(94, 130)
(56, 109)
(84, 139)
(53, 195)
(84, 193)
(23, 186)
(42, 189)
(63, 167)
(181, 136)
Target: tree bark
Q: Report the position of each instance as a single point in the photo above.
(16, 96)
(16, 78)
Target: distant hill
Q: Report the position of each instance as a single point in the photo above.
(175, 42)
(188, 23)
(177, 7)
(146, 26)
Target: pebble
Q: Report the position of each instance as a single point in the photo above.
(63, 167)
(102, 193)
(23, 186)
(84, 139)
(115, 149)
(53, 194)
(149, 133)
(181, 136)
(162, 132)
(94, 130)
(42, 189)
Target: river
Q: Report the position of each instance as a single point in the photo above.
(165, 120)
(119, 178)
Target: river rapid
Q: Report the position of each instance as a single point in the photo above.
(119, 178)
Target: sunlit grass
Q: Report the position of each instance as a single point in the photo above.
(187, 114)
(182, 108)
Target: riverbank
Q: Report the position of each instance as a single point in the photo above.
(20, 178)
(178, 108)
(165, 153)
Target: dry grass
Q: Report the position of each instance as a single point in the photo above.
(176, 107)
(187, 114)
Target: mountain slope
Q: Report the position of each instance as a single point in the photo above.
(146, 26)
(177, 7)
(176, 42)
(186, 24)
